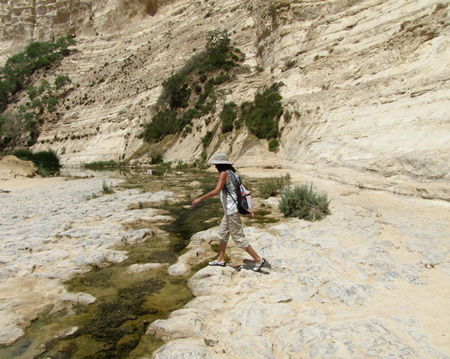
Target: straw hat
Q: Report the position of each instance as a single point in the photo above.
(221, 159)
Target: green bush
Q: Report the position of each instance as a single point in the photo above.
(47, 161)
(262, 115)
(304, 203)
(228, 115)
(23, 154)
(274, 186)
(273, 145)
(164, 123)
(20, 67)
(178, 89)
(42, 171)
(157, 159)
(61, 81)
(110, 163)
(207, 139)
(182, 165)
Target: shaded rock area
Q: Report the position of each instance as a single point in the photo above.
(51, 233)
(370, 280)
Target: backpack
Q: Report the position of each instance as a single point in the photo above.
(244, 199)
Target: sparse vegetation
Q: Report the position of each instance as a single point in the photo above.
(290, 63)
(92, 196)
(206, 140)
(304, 203)
(157, 159)
(181, 165)
(20, 67)
(16, 76)
(274, 186)
(273, 144)
(107, 189)
(175, 102)
(110, 163)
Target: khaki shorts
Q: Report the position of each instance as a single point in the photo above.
(231, 224)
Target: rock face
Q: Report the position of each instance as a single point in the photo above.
(42, 20)
(365, 90)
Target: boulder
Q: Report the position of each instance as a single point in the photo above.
(12, 167)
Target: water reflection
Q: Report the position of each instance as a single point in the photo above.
(75, 171)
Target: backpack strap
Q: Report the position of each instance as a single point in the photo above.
(226, 189)
(235, 179)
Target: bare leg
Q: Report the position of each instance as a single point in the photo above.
(252, 252)
(222, 248)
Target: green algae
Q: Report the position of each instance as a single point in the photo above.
(115, 326)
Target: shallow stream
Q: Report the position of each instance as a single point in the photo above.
(127, 302)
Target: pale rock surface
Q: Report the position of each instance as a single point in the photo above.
(183, 349)
(52, 232)
(138, 268)
(351, 285)
(183, 323)
(199, 250)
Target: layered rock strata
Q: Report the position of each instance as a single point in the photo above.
(365, 87)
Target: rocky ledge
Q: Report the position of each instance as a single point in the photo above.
(371, 280)
(51, 233)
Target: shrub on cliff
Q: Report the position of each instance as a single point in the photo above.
(176, 91)
(262, 115)
(206, 140)
(164, 123)
(174, 114)
(20, 67)
(228, 115)
(304, 203)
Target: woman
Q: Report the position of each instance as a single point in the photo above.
(231, 222)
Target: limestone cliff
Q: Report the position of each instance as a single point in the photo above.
(366, 83)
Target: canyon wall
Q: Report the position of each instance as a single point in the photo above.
(365, 84)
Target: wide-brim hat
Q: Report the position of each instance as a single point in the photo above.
(221, 159)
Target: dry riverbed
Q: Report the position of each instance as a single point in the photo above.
(372, 279)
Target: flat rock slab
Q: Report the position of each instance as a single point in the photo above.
(52, 232)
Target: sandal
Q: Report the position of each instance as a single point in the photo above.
(216, 263)
(259, 265)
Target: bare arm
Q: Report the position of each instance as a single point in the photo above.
(223, 178)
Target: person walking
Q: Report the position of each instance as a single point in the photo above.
(231, 222)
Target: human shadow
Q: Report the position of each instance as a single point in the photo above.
(249, 264)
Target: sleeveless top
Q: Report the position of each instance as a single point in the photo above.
(229, 205)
